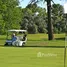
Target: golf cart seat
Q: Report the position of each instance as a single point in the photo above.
(19, 42)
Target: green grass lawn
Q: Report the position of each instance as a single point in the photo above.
(29, 57)
(34, 56)
(40, 40)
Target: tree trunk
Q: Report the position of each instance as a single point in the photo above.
(50, 26)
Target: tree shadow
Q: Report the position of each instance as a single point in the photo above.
(3, 46)
(2, 38)
(47, 46)
(54, 39)
(60, 38)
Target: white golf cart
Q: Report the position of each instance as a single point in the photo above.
(18, 39)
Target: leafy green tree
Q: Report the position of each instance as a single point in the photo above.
(11, 14)
(50, 26)
(58, 19)
(27, 22)
(32, 22)
(1, 25)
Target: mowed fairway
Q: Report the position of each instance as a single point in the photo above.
(29, 57)
(34, 56)
(40, 40)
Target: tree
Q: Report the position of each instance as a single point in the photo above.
(1, 25)
(32, 22)
(58, 19)
(27, 22)
(2, 22)
(11, 14)
(50, 26)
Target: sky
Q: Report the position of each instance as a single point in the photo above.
(24, 3)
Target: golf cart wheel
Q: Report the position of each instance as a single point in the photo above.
(5, 44)
(8, 44)
(23, 44)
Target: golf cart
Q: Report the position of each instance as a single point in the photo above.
(17, 39)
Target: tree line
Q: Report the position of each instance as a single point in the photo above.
(14, 17)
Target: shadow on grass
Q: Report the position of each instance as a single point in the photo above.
(47, 46)
(2, 38)
(60, 38)
(37, 46)
(43, 39)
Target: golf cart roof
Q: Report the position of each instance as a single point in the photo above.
(17, 30)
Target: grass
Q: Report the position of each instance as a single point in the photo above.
(41, 40)
(28, 57)
(34, 56)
